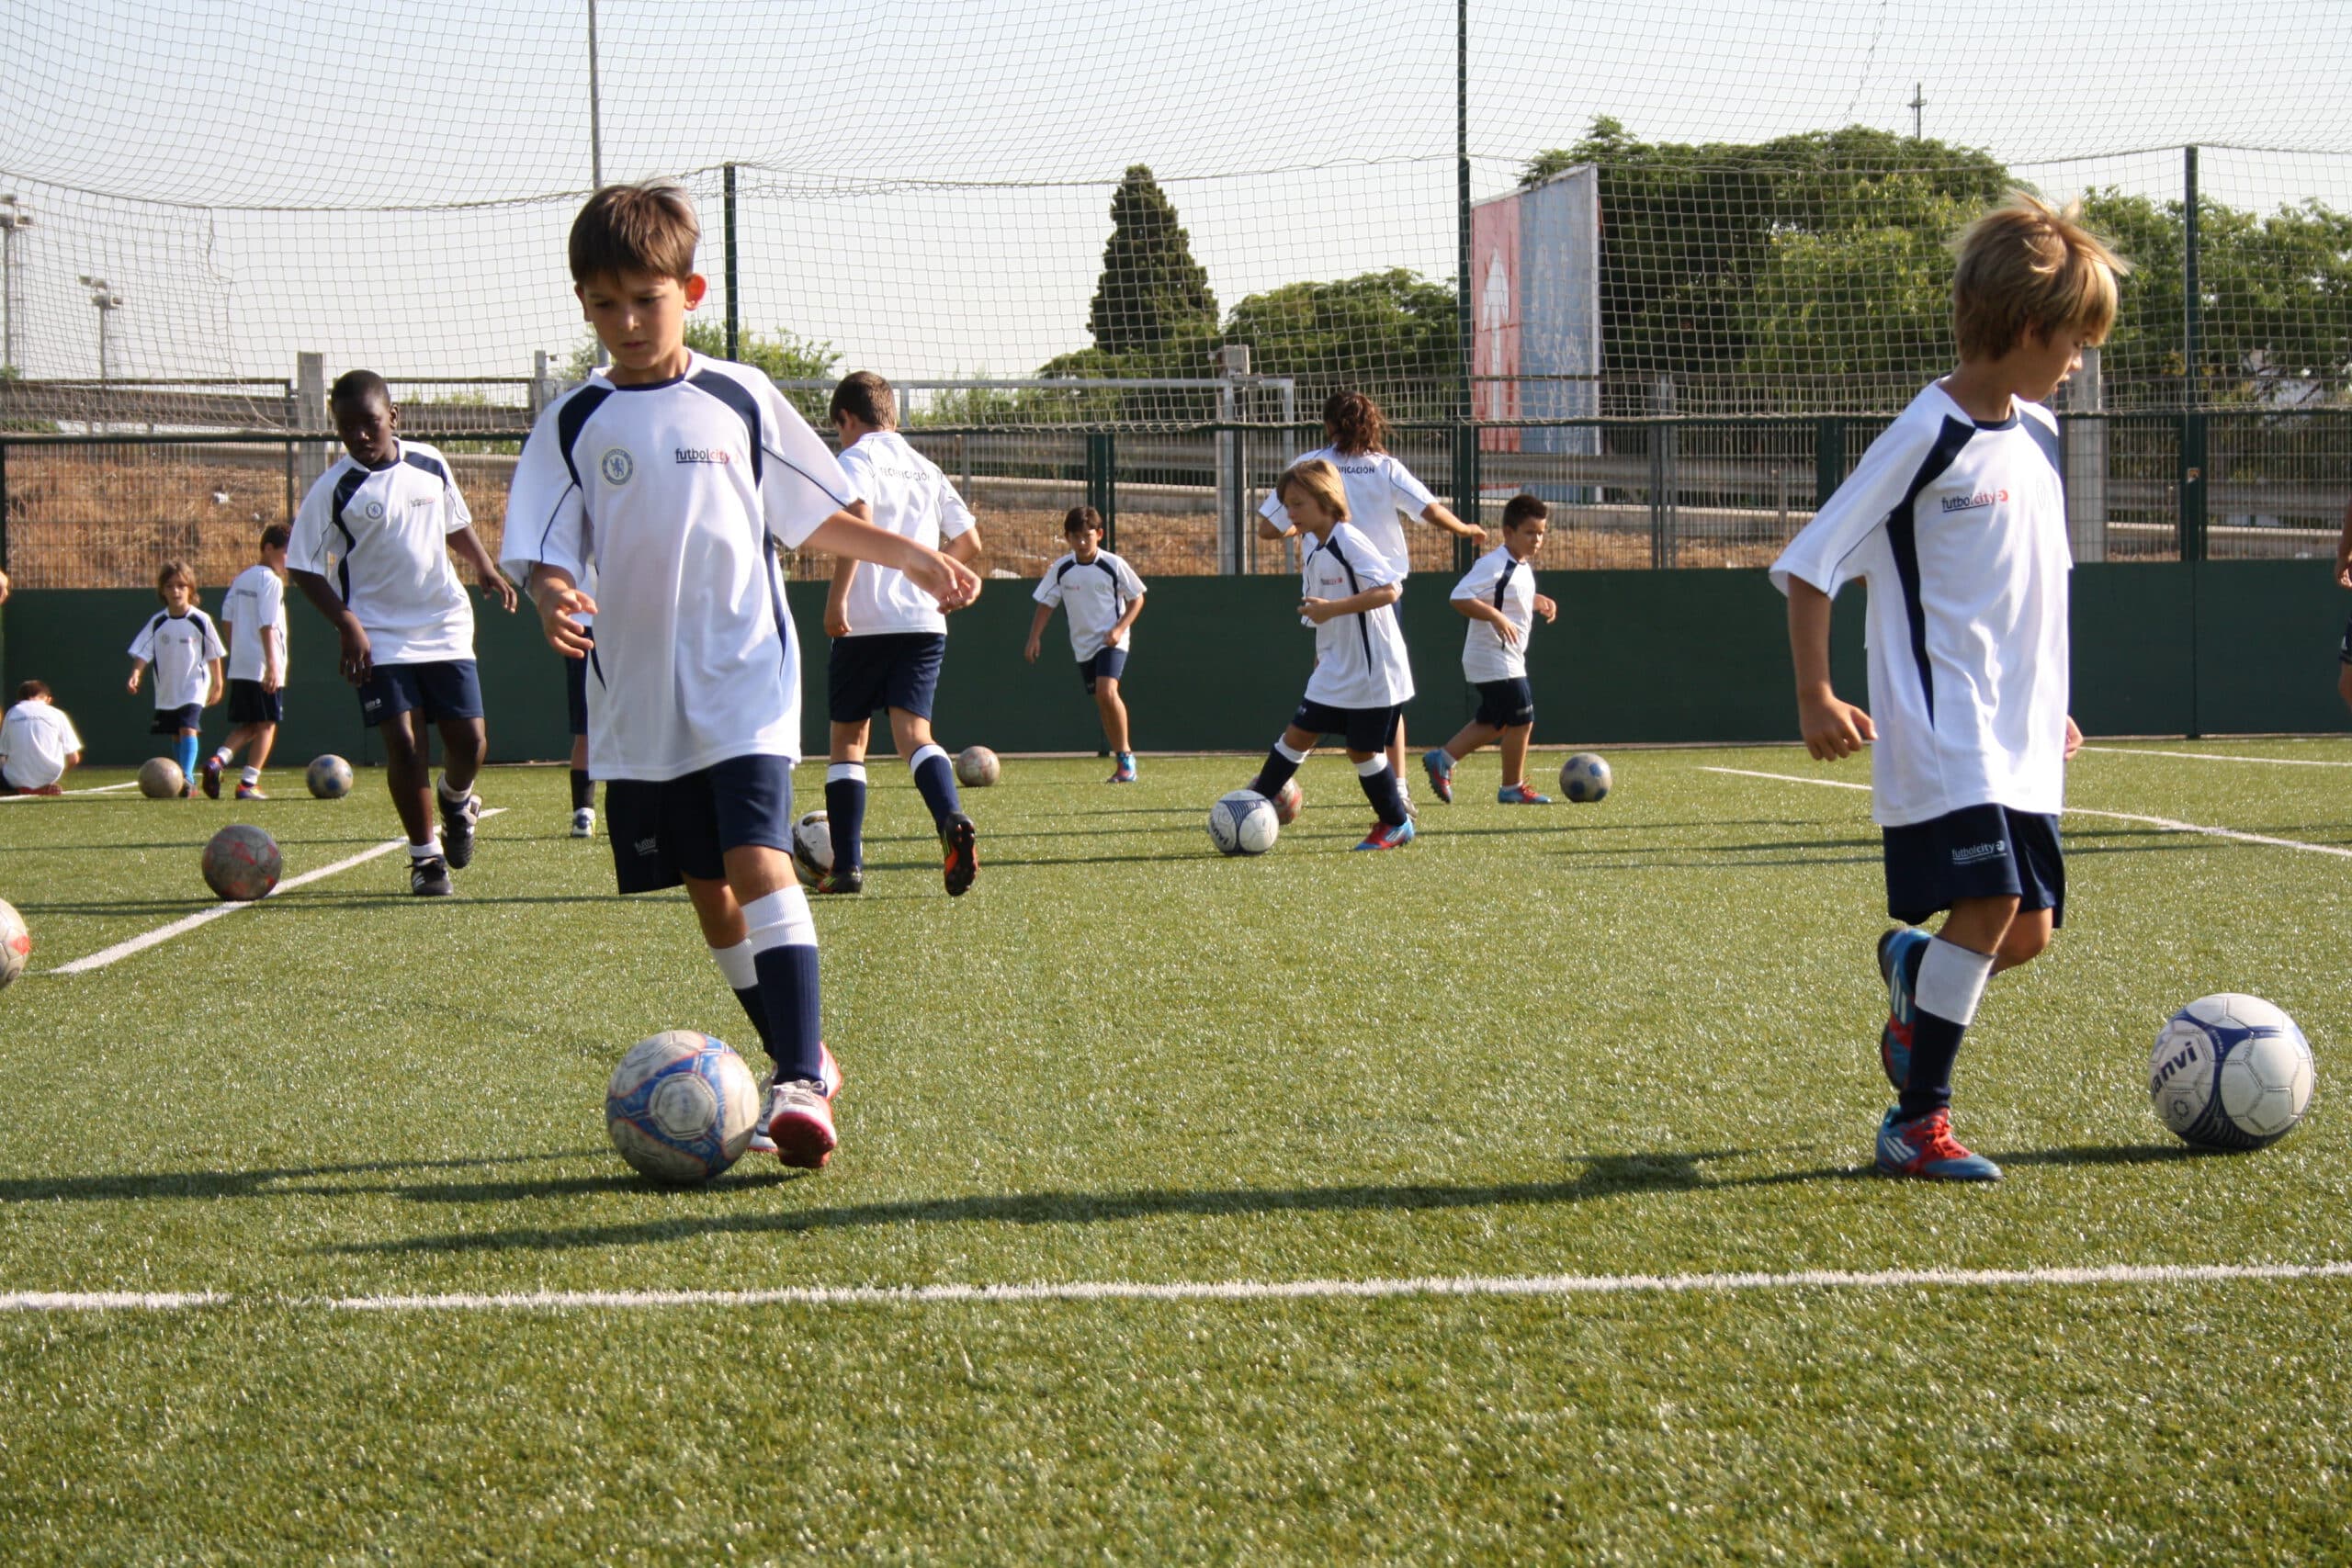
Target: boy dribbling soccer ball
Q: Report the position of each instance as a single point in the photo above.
(181, 642)
(1956, 520)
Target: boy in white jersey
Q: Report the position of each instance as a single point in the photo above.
(383, 520)
(1103, 596)
(180, 641)
(678, 478)
(1361, 680)
(890, 637)
(37, 743)
(1382, 493)
(253, 616)
(1956, 521)
(1498, 597)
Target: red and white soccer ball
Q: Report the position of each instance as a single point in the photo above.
(1289, 801)
(242, 864)
(2231, 1071)
(16, 944)
(976, 767)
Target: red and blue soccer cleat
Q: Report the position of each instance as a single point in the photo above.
(1923, 1147)
(1384, 836)
(1439, 764)
(1899, 952)
(1521, 793)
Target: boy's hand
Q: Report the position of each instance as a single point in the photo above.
(2074, 737)
(136, 671)
(1029, 650)
(948, 580)
(1316, 610)
(494, 583)
(1545, 608)
(836, 619)
(1832, 729)
(1506, 632)
(359, 657)
(559, 607)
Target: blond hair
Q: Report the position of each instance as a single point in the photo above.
(1318, 479)
(2029, 266)
(649, 228)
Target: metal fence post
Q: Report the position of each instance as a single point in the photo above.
(2192, 410)
(1664, 479)
(1828, 458)
(1102, 484)
(4, 506)
(734, 316)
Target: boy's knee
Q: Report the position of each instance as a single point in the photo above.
(2025, 940)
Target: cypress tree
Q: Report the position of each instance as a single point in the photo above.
(1151, 289)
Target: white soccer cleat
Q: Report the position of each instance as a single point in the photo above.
(800, 1123)
(584, 822)
(828, 1077)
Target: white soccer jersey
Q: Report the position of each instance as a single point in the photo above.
(909, 496)
(1959, 531)
(35, 740)
(1381, 490)
(1507, 582)
(677, 494)
(255, 611)
(1095, 593)
(380, 539)
(181, 648)
(1360, 659)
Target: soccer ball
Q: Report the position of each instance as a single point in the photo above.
(242, 864)
(680, 1107)
(329, 777)
(812, 843)
(160, 779)
(1244, 823)
(1584, 778)
(16, 944)
(1289, 801)
(976, 767)
(2231, 1071)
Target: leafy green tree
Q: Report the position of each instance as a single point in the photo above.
(1393, 328)
(1152, 290)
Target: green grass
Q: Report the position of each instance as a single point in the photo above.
(1633, 1038)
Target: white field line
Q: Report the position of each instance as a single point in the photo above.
(1539, 1285)
(97, 789)
(2218, 757)
(2168, 823)
(188, 923)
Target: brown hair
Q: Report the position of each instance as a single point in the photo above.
(1319, 480)
(175, 571)
(866, 398)
(1355, 423)
(649, 228)
(2028, 266)
(32, 689)
(277, 537)
(1083, 517)
(1524, 508)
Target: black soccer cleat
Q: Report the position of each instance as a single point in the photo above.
(852, 880)
(211, 772)
(458, 827)
(963, 862)
(429, 878)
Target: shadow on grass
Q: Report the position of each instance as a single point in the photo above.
(48, 847)
(2113, 1153)
(263, 1183)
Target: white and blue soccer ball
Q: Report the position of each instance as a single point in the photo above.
(812, 843)
(1244, 823)
(2231, 1071)
(680, 1106)
(1584, 778)
(329, 777)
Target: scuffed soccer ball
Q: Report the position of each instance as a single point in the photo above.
(1244, 823)
(242, 864)
(812, 843)
(16, 944)
(976, 767)
(1289, 801)
(1584, 778)
(2231, 1071)
(680, 1106)
(160, 779)
(329, 777)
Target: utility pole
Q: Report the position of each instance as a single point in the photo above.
(1918, 104)
(103, 296)
(14, 215)
(595, 135)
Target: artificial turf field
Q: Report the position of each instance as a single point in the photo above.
(1542, 1052)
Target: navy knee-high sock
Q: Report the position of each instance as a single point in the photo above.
(935, 777)
(845, 814)
(583, 790)
(784, 954)
(1951, 983)
(1379, 781)
(1280, 766)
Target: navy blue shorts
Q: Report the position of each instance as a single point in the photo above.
(2343, 648)
(575, 691)
(248, 704)
(888, 670)
(1506, 703)
(1366, 729)
(171, 721)
(665, 829)
(1979, 851)
(447, 688)
(1111, 664)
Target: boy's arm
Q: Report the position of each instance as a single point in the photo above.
(1437, 515)
(359, 658)
(2343, 553)
(558, 600)
(217, 688)
(946, 579)
(837, 597)
(965, 546)
(1322, 610)
(1135, 608)
(1479, 609)
(138, 668)
(1832, 728)
(1036, 630)
(467, 544)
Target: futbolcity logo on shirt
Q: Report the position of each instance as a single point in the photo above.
(616, 466)
(1982, 498)
(718, 455)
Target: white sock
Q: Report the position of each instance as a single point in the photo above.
(252, 775)
(1952, 981)
(779, 920)
(738, 964)
(1370, 766)
(840, 771)
(454, 796)
(429, 850)
(1290, 753)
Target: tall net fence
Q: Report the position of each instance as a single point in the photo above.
(1707, 247)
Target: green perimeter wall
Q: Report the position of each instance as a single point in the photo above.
(1219, 662)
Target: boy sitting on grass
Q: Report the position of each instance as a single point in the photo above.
(37, 743)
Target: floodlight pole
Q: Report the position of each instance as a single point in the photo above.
(595, 136)
(104, 296)
(14, 215)
(1466, 435)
